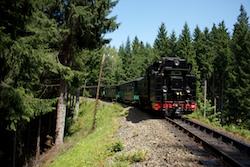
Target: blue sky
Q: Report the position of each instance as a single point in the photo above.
(142, 18)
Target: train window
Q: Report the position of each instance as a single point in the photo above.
(175, 73)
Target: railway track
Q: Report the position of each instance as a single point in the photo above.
(228, 151)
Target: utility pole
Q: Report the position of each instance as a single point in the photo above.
(97, 92)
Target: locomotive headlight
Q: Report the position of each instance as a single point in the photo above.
(176, 62)
(164, 89)
(187, 89)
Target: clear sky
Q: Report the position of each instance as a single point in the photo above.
(142, 18)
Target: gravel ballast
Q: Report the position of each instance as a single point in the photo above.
(142, 131)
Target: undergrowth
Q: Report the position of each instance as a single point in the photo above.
(90, 148)
(213, 120)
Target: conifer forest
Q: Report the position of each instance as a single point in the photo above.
(50, 48)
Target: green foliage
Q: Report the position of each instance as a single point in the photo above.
(214, 119)
(117, 108)
(115, 147)
(42, 42)
(120, 163)
(138, 156)
(204, 52)
(134, 59)
(216, 57)
(91, 149)
(126, 55)
(185, 47)
(238, 130)
(239, 71)
(72, 127)
(19, 107)
(209, 108)
(173, 44)
(25, 62)
(221, 44)
(211, 116)
(124, 113)
(112, 67)
(161, 44)
(14, 17)
(132, 157)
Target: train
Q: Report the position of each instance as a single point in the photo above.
(168, 86)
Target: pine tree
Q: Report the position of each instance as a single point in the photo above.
(238, 85)
(122, 55)
(83, 24)
(205, 58)
(127, 60)
(137, 58)
(149, 56)
(118, 71)
(26, 37)
(26, 58)
(186, 50)
(112, 67)
(185, 46)
(220, 38)
(161, 43)
(204, 52)
(173, 44)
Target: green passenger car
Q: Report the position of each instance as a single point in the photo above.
(112, 92)
(93, 90)
(129, 91)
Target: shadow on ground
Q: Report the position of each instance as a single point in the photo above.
(136, 115)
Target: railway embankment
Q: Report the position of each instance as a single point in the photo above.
(164, 146)
(135, 138)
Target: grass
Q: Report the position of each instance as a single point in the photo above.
(125, 159)
(215, 122)
(90, 148)
(115, 147)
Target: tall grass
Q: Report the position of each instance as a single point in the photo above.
(92, 148)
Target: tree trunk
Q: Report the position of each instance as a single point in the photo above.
(38, 138)
(14, 149)
(222, 98)
(205, 98)
(214, 93)
(75, 117)
(61, 112)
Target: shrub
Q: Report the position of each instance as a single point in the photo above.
(115, 147)
(137, 156)
(134, 156)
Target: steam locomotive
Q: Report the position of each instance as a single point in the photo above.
(168, 86)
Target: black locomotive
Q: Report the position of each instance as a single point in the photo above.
(168, 86)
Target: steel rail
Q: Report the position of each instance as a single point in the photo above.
(227, 159)
(236, 143)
